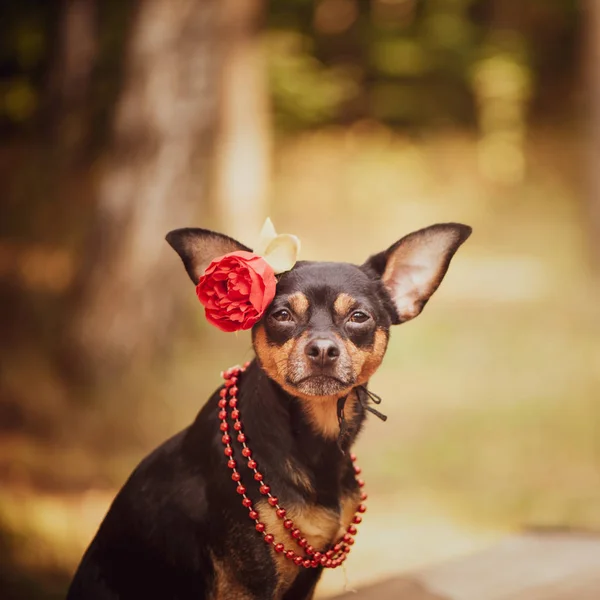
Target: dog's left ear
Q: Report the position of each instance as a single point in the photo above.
(413, 267)
(199, 247)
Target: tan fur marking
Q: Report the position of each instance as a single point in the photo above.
(226, 586)
(366, 362)
(319, 525)
(272, 358)
(286, 569)
(373, 359)
(322, 527)
(343, 303)
(299, 477)
(348, 509)
(322, 413)
(299, 303)
(320, 410)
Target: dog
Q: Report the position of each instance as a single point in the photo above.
(178, 529)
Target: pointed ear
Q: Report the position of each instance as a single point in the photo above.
(197, 248)
(413, 268)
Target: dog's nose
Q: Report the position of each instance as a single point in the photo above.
(322, 351)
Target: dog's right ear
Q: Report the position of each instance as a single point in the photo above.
(197, 248)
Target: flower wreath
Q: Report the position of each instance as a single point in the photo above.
(237, 288)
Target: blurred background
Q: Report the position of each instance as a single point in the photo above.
(350, 123)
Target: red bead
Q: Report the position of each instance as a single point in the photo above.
(222, 403)
(296, 534)
(258, 476)
(357, 519)
(240, 489)
(237, 426)
(302, 542)
(226, 438)
(346, 550)
(306, 563)
(253, 514)
(337, 548)
(288, 523)
(335, 563)
(231, 381)
(309, 550)
(329, 563)
(222, 414)
(264, 489)
(228, 451)
(329, 554)
(235, 413)
(224, 426)
(317, 556)
(231, 463)
(223, 393)
(298, 560)
(260, 527)
(233, 402)
(360, 482)
(269, 538)
(246, 452)
(247, 502)
(236, 476)
(347, 537)
(361, 508)
(290, 554)
(352, 456)
(357, 469)
(252, 464)
(280, 512)
(279, 547)
(323, 560)
(241, 438)
(272, 500)
(233, 391)
(352, 530)
(350, 541)
(363, 496)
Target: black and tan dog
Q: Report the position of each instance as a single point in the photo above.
(177, 529)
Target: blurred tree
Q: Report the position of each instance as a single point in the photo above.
(592, 61)
(243, 147)
(70, 79)
(154, 180)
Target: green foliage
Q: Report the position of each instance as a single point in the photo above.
(294, 71)
(24, 48)
(411, 62)
(407, 63)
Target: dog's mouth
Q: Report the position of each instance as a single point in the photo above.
(320, 385)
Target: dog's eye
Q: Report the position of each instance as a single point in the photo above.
(282, 315)
(358, 316)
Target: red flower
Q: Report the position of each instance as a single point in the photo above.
(236, 289)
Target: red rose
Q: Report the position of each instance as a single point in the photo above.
(236, 289)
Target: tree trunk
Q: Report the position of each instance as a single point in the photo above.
(592, 67)
(70, 78)
(154, 180)
(243, 149)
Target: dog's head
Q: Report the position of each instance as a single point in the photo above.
(327, 328)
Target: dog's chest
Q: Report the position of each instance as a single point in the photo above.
(321, 527)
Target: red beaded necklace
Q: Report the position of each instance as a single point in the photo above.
(308, 556)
